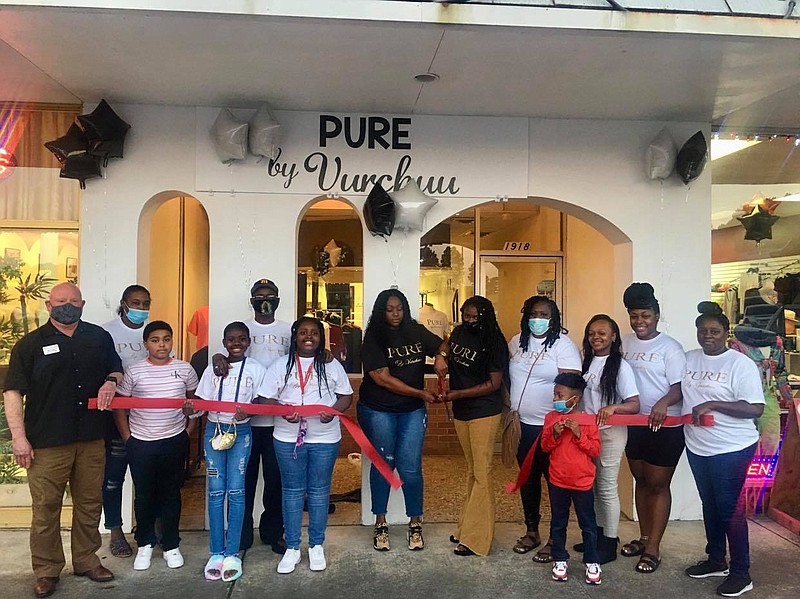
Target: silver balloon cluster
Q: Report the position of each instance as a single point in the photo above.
(233, 137)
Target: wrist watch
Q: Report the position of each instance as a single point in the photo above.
(112, 379)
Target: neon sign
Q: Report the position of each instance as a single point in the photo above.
(762, 467)
(7, 163)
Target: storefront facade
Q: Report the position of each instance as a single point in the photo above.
(591, 171)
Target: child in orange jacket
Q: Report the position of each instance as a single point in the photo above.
(573, 448)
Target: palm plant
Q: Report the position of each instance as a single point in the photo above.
(35, 289)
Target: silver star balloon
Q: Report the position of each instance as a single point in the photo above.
(411, 206)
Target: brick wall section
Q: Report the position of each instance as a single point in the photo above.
(441, 437)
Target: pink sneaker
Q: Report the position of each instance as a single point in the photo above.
(594, 575)
(560, 571)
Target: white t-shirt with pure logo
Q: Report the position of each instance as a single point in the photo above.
(593, 395)
(537, 400)
(127, 341)
(728, 377)
(657, 363)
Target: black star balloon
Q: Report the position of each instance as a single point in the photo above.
(758, 225)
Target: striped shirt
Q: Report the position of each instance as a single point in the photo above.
(174, 379)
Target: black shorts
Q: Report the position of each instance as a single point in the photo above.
(661, 448)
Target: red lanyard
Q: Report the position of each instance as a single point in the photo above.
(303, 380)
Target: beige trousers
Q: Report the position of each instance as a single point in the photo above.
(476, 524)
(82, 465)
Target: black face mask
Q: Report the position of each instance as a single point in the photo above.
(66, 314)
(266, 307)
(472, 327)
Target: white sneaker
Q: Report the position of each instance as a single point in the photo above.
(143, 555)
(173, 558)
(316, 558)
(594, 575)
(290, 559)
(560, 571)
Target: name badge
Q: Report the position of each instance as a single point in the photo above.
(50, 349)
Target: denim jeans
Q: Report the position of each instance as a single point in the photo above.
(307, 474)
(398, 437)
(225, 472)
(262, 458)
(720, 479)
(583, 502)
(114, 477)
(158, 469)
(531, 491)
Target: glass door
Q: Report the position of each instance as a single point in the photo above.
(509, 280)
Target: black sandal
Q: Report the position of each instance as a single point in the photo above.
(463, 550)
(632, 549)
(453, 539)
(543, 556)
(648, 563)
(527, 542)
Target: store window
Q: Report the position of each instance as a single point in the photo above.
(39, 215)
(447, 271)
(755, 277)
(330, 276)
(516, 249)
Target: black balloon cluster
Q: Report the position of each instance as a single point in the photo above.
(85, 149)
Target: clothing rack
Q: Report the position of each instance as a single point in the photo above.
(767, 268)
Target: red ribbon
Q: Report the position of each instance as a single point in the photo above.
(127, 403)
(615, 420)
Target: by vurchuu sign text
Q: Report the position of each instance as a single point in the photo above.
(324, 153)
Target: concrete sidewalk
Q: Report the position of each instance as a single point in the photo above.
(356, 571)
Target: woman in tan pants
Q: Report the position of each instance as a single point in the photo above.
(477, 356)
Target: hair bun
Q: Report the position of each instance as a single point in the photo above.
(709, 308)
(639, 296)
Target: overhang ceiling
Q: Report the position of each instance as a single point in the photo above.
(76, 55)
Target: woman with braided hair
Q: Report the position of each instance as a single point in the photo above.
(610, 389)
(538, 353)
(477, 356)
(306, 447)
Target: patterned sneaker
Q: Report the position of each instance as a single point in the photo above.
(594, 575)
(380, 538)
(560, 571)
(706, 568)
(415, 540)
(735, 586)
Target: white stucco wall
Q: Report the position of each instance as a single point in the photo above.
(592, 165)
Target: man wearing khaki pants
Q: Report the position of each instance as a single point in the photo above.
(58, 367)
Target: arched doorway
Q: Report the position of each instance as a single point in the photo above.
(330, 275)
(509, 251)
(173, 264)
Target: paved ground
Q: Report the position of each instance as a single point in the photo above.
(355, 571)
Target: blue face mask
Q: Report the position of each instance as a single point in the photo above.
(538, 326)
(561, 406)
(137, 316)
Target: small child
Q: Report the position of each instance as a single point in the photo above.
(226, 467)
(572, 449)
(157, 443)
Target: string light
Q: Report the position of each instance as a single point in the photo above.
(755, 136)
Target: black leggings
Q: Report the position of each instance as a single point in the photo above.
(531, 491)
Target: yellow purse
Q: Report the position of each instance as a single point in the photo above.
(223, 440)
